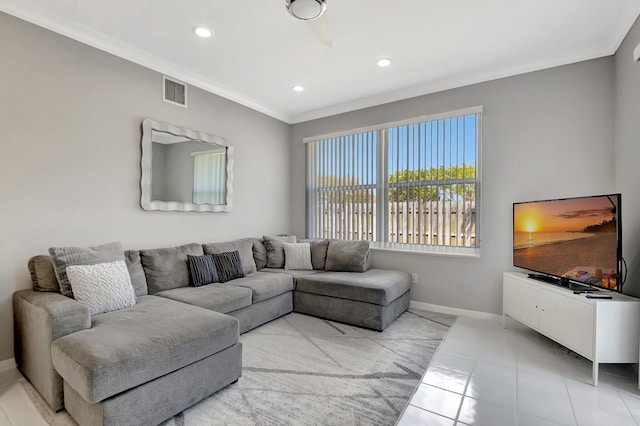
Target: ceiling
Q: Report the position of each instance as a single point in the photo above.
(259, 52)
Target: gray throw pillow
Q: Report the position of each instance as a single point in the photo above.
(202, 270)
(259, 253)
(62, 257)
(43, 275)
(166, 268)
(138, 278)
(275, 249)
(228, 266)
(244, 247)
(318, 252)
(347, 256)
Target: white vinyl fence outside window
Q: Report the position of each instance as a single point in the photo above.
(412, 185)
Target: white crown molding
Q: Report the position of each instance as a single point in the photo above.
(67, 28)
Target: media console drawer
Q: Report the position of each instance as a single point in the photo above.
(601, 330)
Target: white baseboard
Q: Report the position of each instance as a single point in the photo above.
(454, 311)
(8, 364)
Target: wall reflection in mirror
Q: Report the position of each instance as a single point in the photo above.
(188, 170)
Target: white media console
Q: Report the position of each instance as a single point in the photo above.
(601, 330)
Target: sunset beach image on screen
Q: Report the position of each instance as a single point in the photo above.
(574, 238)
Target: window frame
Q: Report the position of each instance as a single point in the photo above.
(382, 226)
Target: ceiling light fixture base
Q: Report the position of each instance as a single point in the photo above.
(306, 10)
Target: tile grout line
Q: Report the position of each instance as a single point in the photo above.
(464, 391)
(564, 382)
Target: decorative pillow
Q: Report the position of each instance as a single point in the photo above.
(275, 250)
(43, 275)
(103, 287)
(259, 253)
(138, 278)
(62, 257)
(318, 252)
(202, 270)
(228, 265)
(347, 256)
(244, 248)
(166, 268)
(297, 256)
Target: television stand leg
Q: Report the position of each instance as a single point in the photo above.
(595, 373)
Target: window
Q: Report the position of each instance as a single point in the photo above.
(411, 185)
(209, 177)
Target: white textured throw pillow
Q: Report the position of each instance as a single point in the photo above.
(104, 287)
(297, 256)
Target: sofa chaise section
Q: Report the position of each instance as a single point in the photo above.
(103, 366)
(371, 299)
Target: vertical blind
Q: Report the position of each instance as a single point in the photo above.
(209, 177)
(411, 185)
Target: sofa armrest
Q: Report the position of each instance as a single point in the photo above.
(39, 319)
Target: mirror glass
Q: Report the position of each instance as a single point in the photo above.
(184, 170)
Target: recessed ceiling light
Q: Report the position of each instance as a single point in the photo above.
(383, 62)
(202, 32)
(298, 88)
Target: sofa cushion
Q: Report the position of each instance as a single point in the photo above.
(130, 347)
(293, 273)
(377, 286)
(259, 253)
(275, 249)
(228, 266)
(136, 272)
(265, 285)
(166, 268)
(318, 252)
(104, 287)
(217, 297)
(244, 248)
(43, 276)
(202, 270)
(297, 256)
(347, 256)
(65, 256)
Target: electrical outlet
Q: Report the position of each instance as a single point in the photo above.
(414, 278)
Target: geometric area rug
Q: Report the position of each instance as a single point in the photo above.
(302, 370)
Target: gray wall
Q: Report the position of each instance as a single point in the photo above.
(70, 118)
(627, 139)
(545, 134)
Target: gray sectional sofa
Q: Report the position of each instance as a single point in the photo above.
(179, 344)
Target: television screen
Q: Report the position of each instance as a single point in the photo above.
(578, 239)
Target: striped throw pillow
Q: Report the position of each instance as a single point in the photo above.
(228, 265)
(202, 270)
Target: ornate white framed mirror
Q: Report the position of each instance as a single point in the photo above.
(185, 170)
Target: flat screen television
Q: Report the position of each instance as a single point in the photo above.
(573, 242)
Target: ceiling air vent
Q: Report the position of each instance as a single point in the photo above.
(174, 91)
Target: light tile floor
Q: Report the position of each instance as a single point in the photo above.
(15, 406)
(481, 375)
